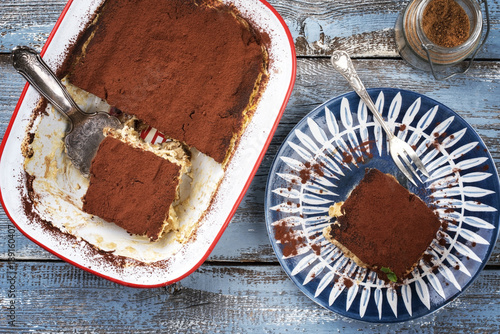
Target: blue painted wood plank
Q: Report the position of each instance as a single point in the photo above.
(57, 297)
(27, 22)
(362, 27)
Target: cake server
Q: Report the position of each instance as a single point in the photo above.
(85, 131)
(400, 150)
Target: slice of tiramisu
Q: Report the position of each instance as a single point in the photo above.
(134, 184)
(382, 226)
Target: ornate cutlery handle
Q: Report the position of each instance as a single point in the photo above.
(343, 64)
(31, 66)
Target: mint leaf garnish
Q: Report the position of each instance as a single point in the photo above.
(390, 274)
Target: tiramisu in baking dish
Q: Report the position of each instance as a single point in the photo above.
(206, 79)
(192, 70)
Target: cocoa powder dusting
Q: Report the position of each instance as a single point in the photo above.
(317, 169)
(185, 68)
(385, 225)
(288, 238)
(362, 150)
(347, 158)
(428, 259)
(316, 248)
(292, 241)
(131, 188)
(305, 175)
(444, 225)
(445, 23)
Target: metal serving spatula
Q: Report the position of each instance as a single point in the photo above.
(86, 129)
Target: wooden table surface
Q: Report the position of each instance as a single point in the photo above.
(241, 287)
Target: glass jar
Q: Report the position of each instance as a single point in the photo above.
(418, 50)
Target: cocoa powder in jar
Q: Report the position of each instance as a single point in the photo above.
(446, 23)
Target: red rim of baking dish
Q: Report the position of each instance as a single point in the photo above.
(236, 204)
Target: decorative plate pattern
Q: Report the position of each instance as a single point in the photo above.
(342, 137)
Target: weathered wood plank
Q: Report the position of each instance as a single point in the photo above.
(27, 22)
(363, 28)
(248, 299)
(246, 238)
(12, 85)
(474, 97)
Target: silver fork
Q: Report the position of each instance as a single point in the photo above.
(397, 147)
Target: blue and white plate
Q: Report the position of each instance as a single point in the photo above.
(463, 187)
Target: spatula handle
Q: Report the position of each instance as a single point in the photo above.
(31, 66)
